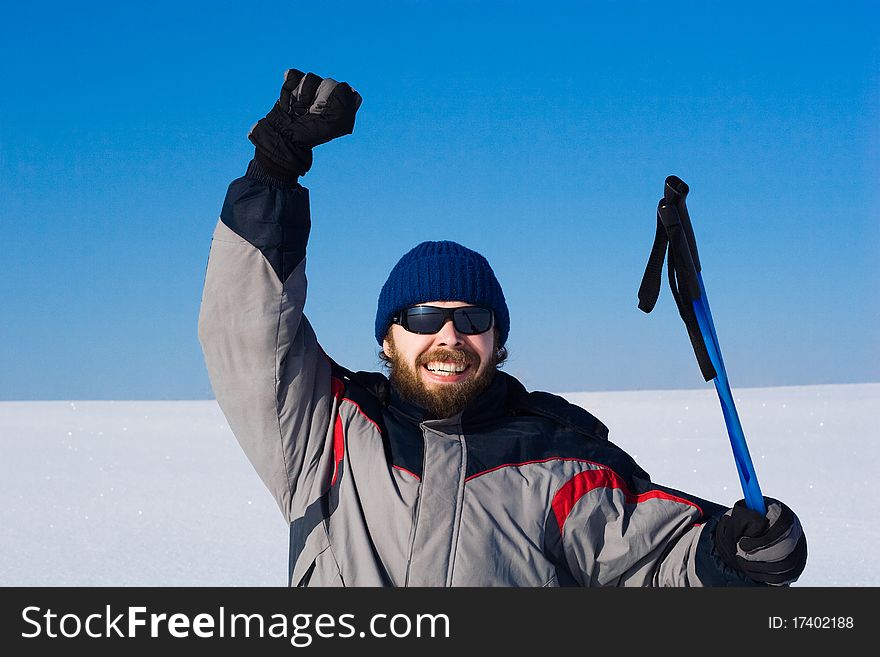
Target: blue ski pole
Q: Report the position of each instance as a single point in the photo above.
(675, 231)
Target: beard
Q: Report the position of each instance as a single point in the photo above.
(443, 400)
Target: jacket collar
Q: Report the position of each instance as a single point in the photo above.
(506, 396)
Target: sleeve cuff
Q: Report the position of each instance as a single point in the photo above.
(257, 171)
(710, 567)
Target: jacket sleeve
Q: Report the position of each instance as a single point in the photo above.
(635, 533)
(270, 376)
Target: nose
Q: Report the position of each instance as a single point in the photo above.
(448, 336)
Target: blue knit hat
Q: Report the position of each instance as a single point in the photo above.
(441, 271)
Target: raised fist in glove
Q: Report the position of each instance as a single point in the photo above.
(310, 111)
(771, 549)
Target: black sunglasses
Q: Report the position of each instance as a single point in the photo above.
(426, 320)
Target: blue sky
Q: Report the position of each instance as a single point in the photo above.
(537, 134)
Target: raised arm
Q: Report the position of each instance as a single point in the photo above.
(268, 372)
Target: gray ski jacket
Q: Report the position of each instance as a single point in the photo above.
(522, 489)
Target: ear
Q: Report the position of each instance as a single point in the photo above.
(386, 347)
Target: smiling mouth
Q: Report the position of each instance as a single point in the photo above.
(446, 370)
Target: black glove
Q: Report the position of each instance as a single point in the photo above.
(771, 549)
(310, 111)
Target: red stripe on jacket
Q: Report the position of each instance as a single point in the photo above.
(337, 387)
(402, 469)
(522, 463)
(582, 483)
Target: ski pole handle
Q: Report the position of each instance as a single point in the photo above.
(675, 191)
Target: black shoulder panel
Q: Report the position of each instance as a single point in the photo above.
(571, 416)
(554, 408)
(540, 427)
(275, 220)
(530, 438)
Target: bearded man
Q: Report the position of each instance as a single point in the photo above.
(448, 472)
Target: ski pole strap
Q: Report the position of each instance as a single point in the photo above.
(674, 240)
(649, 290)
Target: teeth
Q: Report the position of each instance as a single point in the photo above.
(446, 369)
